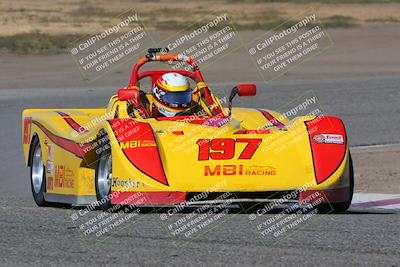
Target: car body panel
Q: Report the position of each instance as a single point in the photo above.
(253, 150)
(276, 165)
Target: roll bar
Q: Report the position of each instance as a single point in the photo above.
(151, 56)
(206, 94)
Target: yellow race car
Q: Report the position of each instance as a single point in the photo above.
(123, 155)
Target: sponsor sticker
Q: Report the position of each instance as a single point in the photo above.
(50, 159)
(253, 170)
(61, 181)
(329, 139)
(117, 182)
(50, 167)
(138, 144)
(27, 129)
(49, 183)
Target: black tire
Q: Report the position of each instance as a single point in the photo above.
(103, 200)
(38, 188)
(249, 207)
(340, 206)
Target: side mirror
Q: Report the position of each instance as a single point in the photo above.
(245, 90)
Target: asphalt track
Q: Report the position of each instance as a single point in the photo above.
(47, 236)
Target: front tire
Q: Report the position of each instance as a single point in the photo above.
(103, 179)
(38, 174)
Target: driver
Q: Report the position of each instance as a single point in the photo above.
(172, 96)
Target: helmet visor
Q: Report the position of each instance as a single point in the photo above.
(176, 99)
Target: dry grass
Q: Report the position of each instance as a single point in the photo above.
(81, 16)
(20, 20)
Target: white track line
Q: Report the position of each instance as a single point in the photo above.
(376, 201)
(375, 146)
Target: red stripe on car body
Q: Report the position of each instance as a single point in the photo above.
(74, 125)
(272, 119)
(148, 198)
(78, 150)
(147, 159)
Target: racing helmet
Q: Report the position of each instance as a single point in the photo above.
(172, 94)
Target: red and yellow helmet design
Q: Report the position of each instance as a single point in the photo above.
(172, 94)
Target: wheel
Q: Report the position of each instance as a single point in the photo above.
(103, 179)
(38, 174)
(341, 206)
(344, 206)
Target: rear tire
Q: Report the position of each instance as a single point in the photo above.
(340, 206)
(38, 174)
(103, 179)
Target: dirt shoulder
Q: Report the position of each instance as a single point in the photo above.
(357, 53)
(82, 17)
(377, 169)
